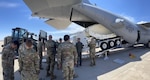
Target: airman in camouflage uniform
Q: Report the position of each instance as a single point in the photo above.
(60, 41)
(23, 43)
(28, 61)
(67, 55)
(39, 49)
(92, 46)
(51, 52)
(8, 57)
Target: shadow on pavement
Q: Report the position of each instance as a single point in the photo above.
(86, 72)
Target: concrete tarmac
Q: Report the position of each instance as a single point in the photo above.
(124, 68)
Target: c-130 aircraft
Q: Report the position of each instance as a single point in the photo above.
(61, 13)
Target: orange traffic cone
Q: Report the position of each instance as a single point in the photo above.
(132, 55)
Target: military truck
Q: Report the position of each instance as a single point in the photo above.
(21, 35)
(18, 34)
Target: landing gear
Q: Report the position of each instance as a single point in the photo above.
(110, 43)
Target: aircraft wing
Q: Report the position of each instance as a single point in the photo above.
(59, 24)
(147, 25)
(60, 13)
(59, 10)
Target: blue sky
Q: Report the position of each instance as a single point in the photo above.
(14, 13)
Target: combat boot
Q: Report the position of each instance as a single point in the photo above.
(91, 64)
(94, 63)
(48, 74)
(75, 75)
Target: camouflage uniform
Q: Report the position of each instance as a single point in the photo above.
(8, 56)
(51, 52)
(57, 59)
(67, 55)
(29, 63)
(20, 47)
(92, 46)
(39, 49)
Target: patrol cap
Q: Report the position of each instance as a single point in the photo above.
(60, 39)
(66, 37)
(28, 41)
(50, 36)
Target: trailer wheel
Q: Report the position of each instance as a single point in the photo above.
(117, 42)
(111, 44)
(104, 45)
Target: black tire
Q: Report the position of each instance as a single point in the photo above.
(148, 44)
(104, 46)
(111, 44)
(117, 42)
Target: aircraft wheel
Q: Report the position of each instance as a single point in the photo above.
(117, 42)
(104, 46)
(148, 45)
(111, 44)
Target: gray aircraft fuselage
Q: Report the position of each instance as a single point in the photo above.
(130, 32)
(82, 11)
